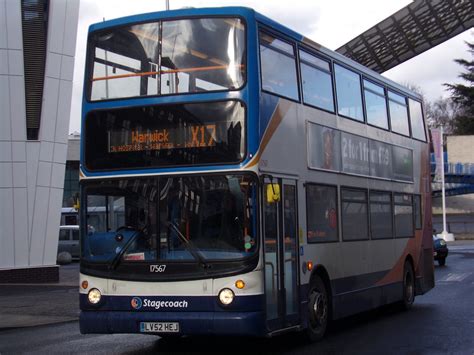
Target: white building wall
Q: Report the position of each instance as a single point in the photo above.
(460, 149)
(32, 172)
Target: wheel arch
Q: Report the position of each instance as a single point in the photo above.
(323, 274)
(410, 259)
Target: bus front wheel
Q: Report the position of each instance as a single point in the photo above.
(318, 309)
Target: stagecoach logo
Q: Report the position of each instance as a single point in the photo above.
(146, 303)
(136, 303)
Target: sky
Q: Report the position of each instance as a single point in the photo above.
(330, 23)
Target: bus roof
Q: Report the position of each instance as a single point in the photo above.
(249, 13)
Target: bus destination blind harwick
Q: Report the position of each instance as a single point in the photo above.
(165, 135)
(197, 136)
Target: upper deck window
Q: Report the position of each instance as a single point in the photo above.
(375, 105)
(169, 57)
(416, 120)
(398, 113)
(316, 81)
(349, 97)
(278, 67)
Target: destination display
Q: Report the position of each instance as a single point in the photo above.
(192, 136)
(165, 135)
(331, 149)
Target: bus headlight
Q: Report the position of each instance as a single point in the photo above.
(226, 296)
(94, 296)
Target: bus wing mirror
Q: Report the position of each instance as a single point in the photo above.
(273, 193)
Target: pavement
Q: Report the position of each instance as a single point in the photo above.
(30, 305)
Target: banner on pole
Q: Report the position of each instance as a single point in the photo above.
(437, 140)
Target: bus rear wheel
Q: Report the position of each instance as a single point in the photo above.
(318, 310)
(408, 286)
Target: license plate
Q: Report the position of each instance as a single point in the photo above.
(159, 327)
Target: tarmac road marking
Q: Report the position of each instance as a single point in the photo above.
(456, 277)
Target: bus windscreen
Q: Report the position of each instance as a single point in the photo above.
(167, 57)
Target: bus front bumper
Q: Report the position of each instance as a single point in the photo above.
(190, 323)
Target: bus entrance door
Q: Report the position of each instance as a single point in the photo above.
(281, 253)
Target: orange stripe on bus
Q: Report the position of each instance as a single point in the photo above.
(171, 71)
(278, 115)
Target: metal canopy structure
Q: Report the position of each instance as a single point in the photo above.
(419, 26)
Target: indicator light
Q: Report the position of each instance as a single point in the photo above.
(239, 284)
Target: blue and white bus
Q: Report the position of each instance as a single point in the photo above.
(252, 181)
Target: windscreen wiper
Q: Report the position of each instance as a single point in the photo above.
(190, 246)
(113, 265)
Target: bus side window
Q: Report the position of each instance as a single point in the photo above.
(398, 113)
(416, 120)
(349, 96)
(316, 82)
(278, 64)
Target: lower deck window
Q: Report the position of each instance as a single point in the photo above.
(403, 204)
(321, 213)
(354, 214)
(380, 215)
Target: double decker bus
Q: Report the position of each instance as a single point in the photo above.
(252, 182)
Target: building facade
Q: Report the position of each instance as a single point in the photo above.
(460, 149)
(460, 208)
(37, 49)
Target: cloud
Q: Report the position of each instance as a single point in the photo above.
(431, 69)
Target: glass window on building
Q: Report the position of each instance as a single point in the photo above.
(71, 184)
